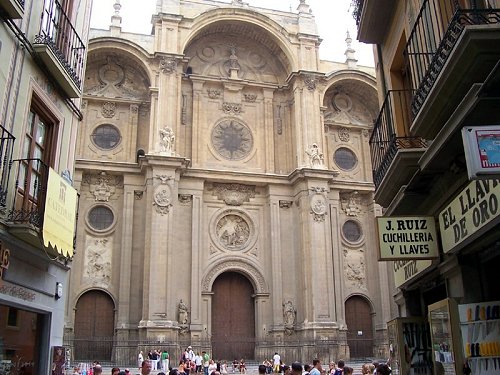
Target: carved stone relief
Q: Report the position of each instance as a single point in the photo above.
(355, 270)
(115, 78)
(289, 316)
(285, 204)
(102, 186)
(98, 260)
(310, 82)
(344, 134)
(168, 65)
(213, 93)
(185, 199)
(162, 195)
(232, 108)
(233, 194)
(108, 109)
(246, 268)
(233, 232)
(318, 204)
(316, 158)
(344, 110)
(232, 139)
(251, 98)
(350, 203)
(167, 141)
(279, 123)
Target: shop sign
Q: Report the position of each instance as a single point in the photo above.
(476, 206)
(60, 215)
(407, 237)
(405, 270)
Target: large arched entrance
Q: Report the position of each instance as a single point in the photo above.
(359, 327)
(94, 326)
(233, 317)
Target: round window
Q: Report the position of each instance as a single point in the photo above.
(100, 217)
(232, 139)
(352, 231)
(345, 159)
(106, 136)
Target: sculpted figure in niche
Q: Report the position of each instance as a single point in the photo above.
(233, 231)
(289, 313)
(315, 156)
(183, 313)
(167, 139)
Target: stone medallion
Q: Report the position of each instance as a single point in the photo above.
(233, 230)
(232, 139)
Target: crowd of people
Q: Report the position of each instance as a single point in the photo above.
(192, 363)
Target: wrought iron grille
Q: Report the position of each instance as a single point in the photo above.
(6, 148)
(30, 191)
(391, 133)
(435, 33)
(58, 33)
(357, 10)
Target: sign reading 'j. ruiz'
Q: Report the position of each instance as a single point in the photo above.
(408, 237)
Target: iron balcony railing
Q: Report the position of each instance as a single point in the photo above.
(391, 133)
(58, 33)
(6, 149)
(435, 33)
(28, 205)
(357, 6)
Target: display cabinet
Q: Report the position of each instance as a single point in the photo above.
(480, 326)
(410, 346)
(445, 337)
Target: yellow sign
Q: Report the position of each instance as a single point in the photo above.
(60, 215)
(407, 237)
(405, 270)
(476, 206)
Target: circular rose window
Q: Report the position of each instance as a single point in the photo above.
(352, 231)
(106, 137)
(345, 159)
(100, 218)
(232, 139)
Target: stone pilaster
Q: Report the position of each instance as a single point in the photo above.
(269, 126)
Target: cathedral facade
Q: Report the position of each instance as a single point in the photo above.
(226, 194)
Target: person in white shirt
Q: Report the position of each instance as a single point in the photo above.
(276, 362)
(316, 370)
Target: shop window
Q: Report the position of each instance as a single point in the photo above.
(13, 317)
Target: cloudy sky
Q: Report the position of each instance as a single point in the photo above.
(333, 18)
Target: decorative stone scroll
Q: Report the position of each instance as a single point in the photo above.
(251, 98)
(233, 194)
(285, 204)
(213, 93)
(185, 199)
(232, 108)
(310, 82)
(344, 134)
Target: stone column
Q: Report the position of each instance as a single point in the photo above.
(269, 127)
(276, 266)
(199, 119)
(132, 132)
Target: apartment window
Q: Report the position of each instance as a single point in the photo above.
(37, 156)
(12, 317)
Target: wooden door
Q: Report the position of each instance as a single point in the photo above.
(359, 327)
(94, 326)
(233, 318)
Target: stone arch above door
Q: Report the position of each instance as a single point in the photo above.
(235, 265)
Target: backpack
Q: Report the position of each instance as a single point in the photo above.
(339, 371)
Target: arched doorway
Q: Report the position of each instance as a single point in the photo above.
(233, 317)
(359, 327)
(94, 326)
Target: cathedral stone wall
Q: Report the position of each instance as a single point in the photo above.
(218, 147)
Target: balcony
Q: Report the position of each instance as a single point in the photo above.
(60, 48)
(448, 50)
(6, 147)
(13, 9)
(372, 18)
(394, 153)
(26, 215)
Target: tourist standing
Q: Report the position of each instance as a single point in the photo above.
(276, 363)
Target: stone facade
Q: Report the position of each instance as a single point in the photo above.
(223, 144)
